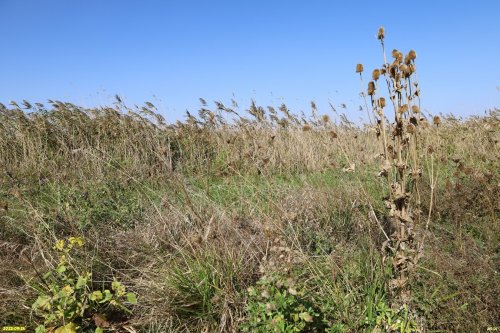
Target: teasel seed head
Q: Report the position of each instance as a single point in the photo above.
(393, 70)
(407, 60)
(381, 33)
(371, 88)
(306, 128)
(376, 74)
(383, 71)
(381, 102)
(436, 120)
(359, 68)
(411, 129)
(415, 109)
(325, 118)
(402, 109)
(395, 53)
(399, 57)
(412, 55)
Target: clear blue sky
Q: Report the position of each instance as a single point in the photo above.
(172, 52)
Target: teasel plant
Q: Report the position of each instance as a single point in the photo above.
(402, 156)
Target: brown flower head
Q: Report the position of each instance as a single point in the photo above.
(412, 55)
(381, 33)
(371, 88)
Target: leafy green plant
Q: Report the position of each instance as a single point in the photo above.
(275, 305)
(389, 320)
(66, 300)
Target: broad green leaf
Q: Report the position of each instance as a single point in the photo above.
(82, 282)
(107, 296)
(42, 302)
(68, 328)
(61, 269)
(131, 298)
(118, 288)
(305, 316)
(96, 296)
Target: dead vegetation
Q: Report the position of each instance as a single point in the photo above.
(193, 215)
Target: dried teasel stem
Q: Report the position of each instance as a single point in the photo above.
(401, 165)
(359, 69)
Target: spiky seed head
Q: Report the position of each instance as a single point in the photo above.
(383, 71)
(381, 33)
(371, 88)
(393, 70)
(395, 53)
(399, 57)
(306, 128)
(411, 129)
(359, 68)
(325, 118)
(376, 74)
(403, 68)
(407, 60)
(436, 120)
(415, 109)
(412, 55)
(381, 102)
(404, 108)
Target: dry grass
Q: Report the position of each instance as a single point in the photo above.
(190, 215)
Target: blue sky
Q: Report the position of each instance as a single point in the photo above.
(173, 52)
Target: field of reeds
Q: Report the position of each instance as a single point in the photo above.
(250, 219)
